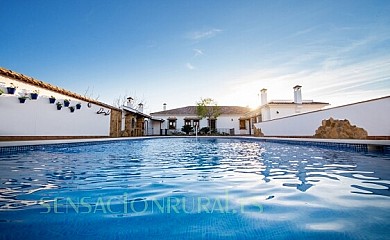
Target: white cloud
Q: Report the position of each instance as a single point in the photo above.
(190, 66)
(201, 35)
(198, 52)
(339, 85)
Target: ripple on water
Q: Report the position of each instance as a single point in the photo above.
(308, 189)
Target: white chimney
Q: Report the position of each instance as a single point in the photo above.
(297, 94)
(129, 102)
(263, 93)
(164, 107)
(141, 107)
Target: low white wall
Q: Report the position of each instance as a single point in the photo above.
(373, 116)
(39, 118)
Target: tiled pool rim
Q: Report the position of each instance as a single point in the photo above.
(382, 146)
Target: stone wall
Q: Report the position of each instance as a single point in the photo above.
(134, 125)
(128, 119)
(115, 123)
(339, 129)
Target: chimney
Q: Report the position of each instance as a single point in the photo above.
(141, 107)
(129, 102)
(164, 107)
(263, 93)
(297, 94)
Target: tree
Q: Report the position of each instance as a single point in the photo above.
(90, 94)
(207, 108)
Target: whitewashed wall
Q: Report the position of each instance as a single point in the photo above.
(232, 121)
(373, 116)
(279, 111)
(153, 127)
(39, 118)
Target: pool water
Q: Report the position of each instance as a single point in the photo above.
(187, 188)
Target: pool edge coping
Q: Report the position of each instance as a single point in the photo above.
(88, 140)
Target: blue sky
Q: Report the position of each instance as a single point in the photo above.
(176, 52)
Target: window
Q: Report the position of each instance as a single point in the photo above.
(195, 123)
(172, 124)
(213, 124)
(187, 122)
(242, 125)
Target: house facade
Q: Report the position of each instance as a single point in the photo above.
(47, 116)
(228, 122)
(274, 109)
(40, 118)
(136, 123)
(370, 115)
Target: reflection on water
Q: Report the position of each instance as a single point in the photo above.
(282, 178)
(125, 164)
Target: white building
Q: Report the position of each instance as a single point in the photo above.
(227, 122)
(371, 115)
(47, 117)
(35, 110)
(41, 118)
(275, 109)
(136, 123)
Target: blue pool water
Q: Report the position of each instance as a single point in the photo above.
(183, 188)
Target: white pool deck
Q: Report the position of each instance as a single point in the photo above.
(44, 142)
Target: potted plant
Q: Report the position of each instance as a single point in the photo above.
(78, 105)
(71, 108)
(66, 102)
(22, 98)
(34, 95)
(59, 105)
(52, 100)
(11, 89)
(1, 91)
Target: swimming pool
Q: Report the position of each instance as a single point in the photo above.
(208, 188)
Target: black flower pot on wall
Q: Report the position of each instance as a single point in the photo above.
(78, 106)
(11, 90)
(22, 100)
(34, 96)
(52, 100)
(66, 103)
(59, 105)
